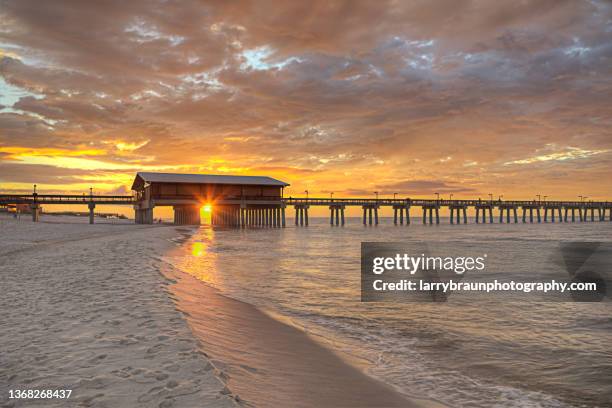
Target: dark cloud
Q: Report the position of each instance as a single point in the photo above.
(33, 174)
(417, 187)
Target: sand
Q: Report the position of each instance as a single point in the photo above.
(85, 308)
(97, 309)
(267, 363)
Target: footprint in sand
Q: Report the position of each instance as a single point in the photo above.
(166, 403)
(97, 359)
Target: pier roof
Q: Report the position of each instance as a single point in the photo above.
(146, 177)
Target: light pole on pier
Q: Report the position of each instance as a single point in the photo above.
(376, 192)
(450, 197)
(437, 196)
(306, 191)
(539, 197)
(34, 188)
(544, 198)
(490, 197)
(331, 195)
(500, 198)
(394, 195)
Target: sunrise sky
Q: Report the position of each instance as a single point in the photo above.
(408, 97)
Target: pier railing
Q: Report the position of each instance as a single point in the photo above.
(314, 201)
(64, 199)
(435, 202)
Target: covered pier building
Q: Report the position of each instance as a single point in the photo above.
(234, 200)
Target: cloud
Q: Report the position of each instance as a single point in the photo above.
(569, 153)
(119, 190)
(331, 95)
(425, 187)
(130, 146)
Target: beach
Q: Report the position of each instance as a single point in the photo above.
(84, 308)
(95, 309)
(127, 315)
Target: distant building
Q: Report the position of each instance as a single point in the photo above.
(232, 198)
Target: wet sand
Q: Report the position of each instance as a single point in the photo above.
(267, 363)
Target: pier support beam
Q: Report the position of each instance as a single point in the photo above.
(283, 216)
(532, 210)
(141, 215)
(183, 215)
(430, 211)
(301, 214)
(35, 208)
(508, 209)
(91, 207)
(400, 209)
(457, 210)
(336, 216)
(484, 208)
(553, 216)
(370, 214)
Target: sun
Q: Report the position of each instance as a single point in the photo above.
(207, 208)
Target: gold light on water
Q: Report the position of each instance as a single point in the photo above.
(198, 249)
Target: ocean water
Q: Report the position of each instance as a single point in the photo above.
(492, 352)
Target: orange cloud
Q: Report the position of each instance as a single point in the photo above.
(15, 152)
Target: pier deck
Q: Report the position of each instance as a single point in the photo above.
(243, 211)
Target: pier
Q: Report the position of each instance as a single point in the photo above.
(259, 211)
(485, 210)
(252, 201)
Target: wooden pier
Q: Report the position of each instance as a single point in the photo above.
(270, 211)
(507, 211)
(258, 201)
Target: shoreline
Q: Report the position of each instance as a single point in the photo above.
(266, 362)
